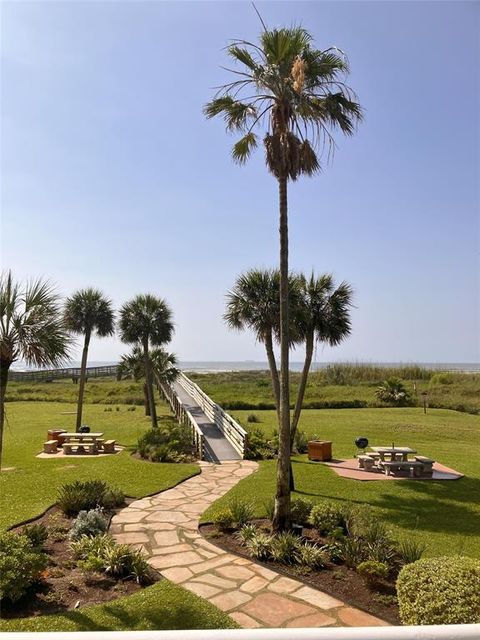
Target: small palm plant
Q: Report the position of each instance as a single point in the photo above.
(88, 312)
(132, 365)
(292, 95)
(393, 392)
(31, 329)
(146, 321)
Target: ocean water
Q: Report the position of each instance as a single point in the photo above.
(213, 366)
(254, 365)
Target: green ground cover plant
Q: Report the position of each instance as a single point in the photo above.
(32, 484)
(445, 516)
(161, 606)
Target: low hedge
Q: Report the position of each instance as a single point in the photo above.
(444, 590)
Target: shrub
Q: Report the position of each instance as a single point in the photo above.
(441, 590)
(242, 512)
(442, 378)
(373, 571)
(334, 551)
(326, 517)
(246, 533)
(37, 533)
(172, 443)
(260, 546)
(410, 550)
(20, 565)
(312, 556)
(352, 551)
(223, 519)
(102, 553)
(86, 495)
(284, 547)
(393, 392)
(252, 417)
(112, 497)
(88, 523)
(300, 510)
(259, 447)
(87, 546)
(301, 442)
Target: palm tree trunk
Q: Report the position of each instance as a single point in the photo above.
(149, 378)
(4, 368)
(299, 403)
(281, 518)
(81, 388)
(146, 399)
(303, 385)
(273, 372)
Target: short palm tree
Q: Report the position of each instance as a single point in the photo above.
(88, 312)
(132, 365)
(254, 303)
(146, 321)
(322, 315)
(31, 329)
(295, 94)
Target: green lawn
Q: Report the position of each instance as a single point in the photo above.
(445, 515)
(161, 606)
(32, 486)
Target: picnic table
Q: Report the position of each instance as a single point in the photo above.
(82, 441)
(394, 453)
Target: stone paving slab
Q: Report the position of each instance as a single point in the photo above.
(166, 528)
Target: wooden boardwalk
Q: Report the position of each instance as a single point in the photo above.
(217, 436)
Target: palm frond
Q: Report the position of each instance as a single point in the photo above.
(242, 149)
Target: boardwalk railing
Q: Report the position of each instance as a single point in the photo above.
(184, 417)
(47, 375)
(233, 432)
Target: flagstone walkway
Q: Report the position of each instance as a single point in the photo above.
(165, 526)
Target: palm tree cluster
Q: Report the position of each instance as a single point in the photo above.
(36, 328)
(291, 96)
(319, 311)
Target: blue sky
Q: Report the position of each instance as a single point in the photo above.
(112, 177)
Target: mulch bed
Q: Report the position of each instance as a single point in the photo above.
(338, 581)
(64, 586)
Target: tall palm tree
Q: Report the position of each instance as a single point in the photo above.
(88, 312)
(146, 321)
(132, 365)
(254, 303)
(31, 329)
(296, 94)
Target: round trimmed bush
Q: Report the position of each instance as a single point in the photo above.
(327, 517)
(443, 590)
(20, 565)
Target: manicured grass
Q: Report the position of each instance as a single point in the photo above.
(445, 515)
(161, 606)
(32, 486)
